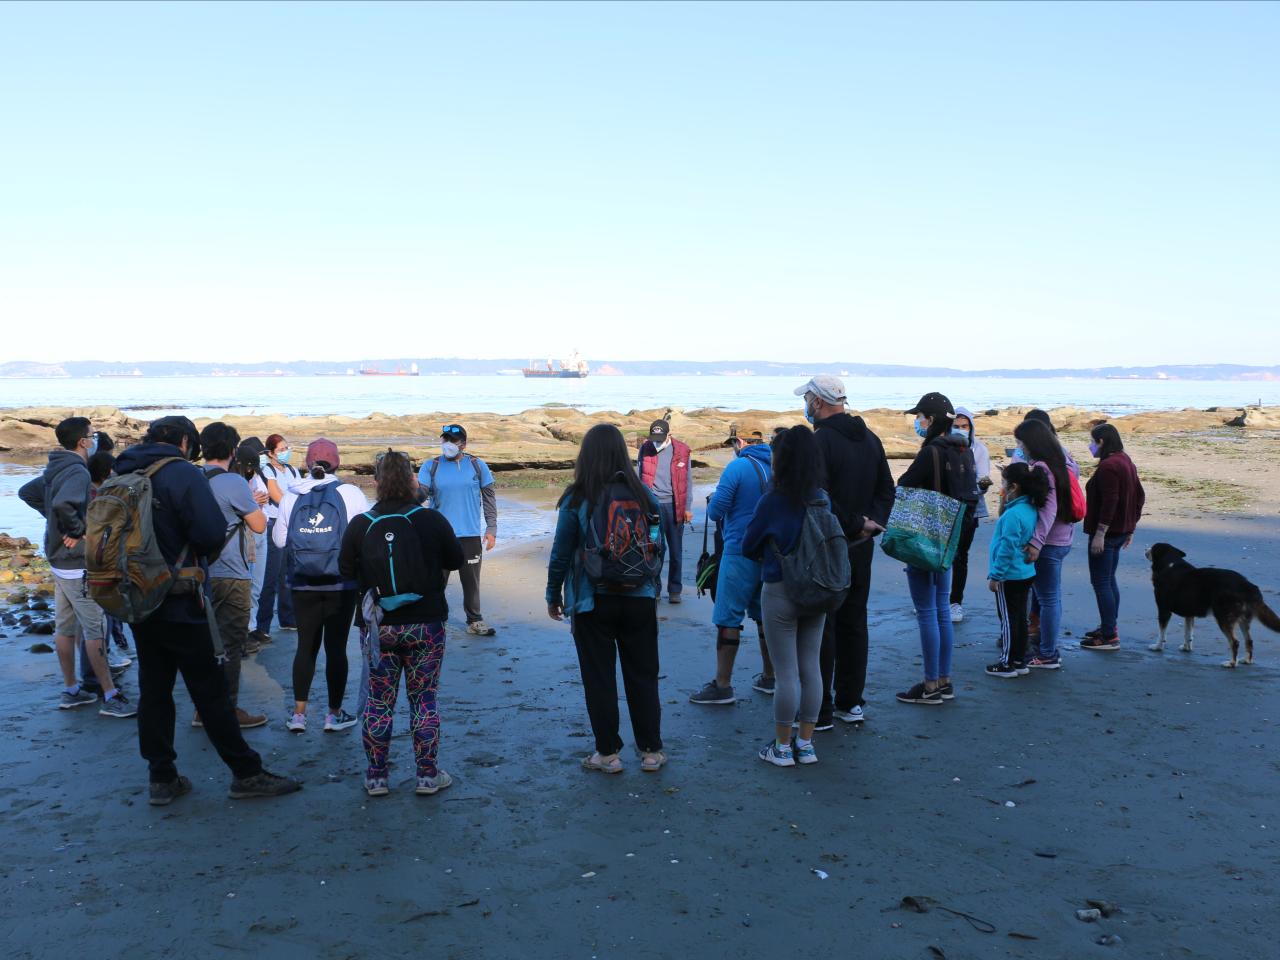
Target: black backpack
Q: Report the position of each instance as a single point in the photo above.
(624, 547)
(391, 561)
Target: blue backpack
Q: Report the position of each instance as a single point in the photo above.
(316, 527)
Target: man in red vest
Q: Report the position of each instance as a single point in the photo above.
(664, 469)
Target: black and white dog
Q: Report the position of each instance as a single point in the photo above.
(1193, 592)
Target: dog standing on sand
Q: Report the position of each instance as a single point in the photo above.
(1193, 592)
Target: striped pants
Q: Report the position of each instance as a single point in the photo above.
(1011, 604)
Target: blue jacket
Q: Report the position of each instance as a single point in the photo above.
(743, 483)
(564, 570)
(776, 518)
(187, 513)
(1013, 532)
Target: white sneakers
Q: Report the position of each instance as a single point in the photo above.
(957, 613)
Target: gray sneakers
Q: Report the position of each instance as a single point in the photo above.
(118, 707)
(479, 628)
(712, 694)
(262, 784)
(163, 794)
(81, 698)
(429, 785)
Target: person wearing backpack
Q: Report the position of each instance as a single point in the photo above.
(460, 486)
(1050, 544)
(604, 573)
(314, 516)
(399, 553)
(61, 496)
(187, 525)
(860, 486)
(793, 632)
(1009, 573)
(744, 481)
(664, 466)
(229, 578)
(944, 464)
(278, 474)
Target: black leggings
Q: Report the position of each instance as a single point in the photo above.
(324, 617)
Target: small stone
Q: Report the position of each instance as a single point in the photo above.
(1092, 915)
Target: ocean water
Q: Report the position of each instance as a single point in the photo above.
(359, 396)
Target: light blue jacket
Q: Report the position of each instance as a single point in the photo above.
(1013, 532)
(744, 481)
(567, 582)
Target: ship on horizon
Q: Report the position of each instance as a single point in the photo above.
(571, 368)
(398, 372)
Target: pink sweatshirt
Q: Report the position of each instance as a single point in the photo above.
(1049, 529)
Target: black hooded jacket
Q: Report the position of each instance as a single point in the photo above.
(955, 462)
(858, 478)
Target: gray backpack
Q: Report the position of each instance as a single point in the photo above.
(816, 572)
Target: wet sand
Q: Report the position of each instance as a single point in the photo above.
(1146, 780)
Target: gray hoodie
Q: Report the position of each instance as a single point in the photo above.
(61, 495)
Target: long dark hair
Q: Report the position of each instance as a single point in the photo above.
(1107, 437)
(601, 458)
(797, 465)
(395, 478)
(1041, 444)
(1033, 484)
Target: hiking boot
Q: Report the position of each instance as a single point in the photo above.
(429, 785)
(297, 723)
(479, 628)
(119, 707)
(118, 661)
(248, 720)
(763, 684)
(1045, 663)
(852, 715)
(1101, 643)
(376, 786)
(262, 784)
(333, 722)
(918, 694)
(712, 694)
(957, 613)
(163, 794)
(777, 754)
(81, 698)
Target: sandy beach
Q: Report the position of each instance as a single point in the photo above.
(1144, 780)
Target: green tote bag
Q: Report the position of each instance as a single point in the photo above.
(924, 527)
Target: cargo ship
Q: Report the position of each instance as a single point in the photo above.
(399, 372)
(573, 368)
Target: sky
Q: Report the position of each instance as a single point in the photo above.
(970, 185)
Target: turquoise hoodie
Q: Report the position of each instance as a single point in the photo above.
(567, 582)
(1014, 530)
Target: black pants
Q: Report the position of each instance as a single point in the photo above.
(166, 649)
(1011, 604)
(324, 619)
(960, 569)
(625, 629)
(472, 551)
(844, 638)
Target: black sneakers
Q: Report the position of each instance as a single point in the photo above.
(1007, 670)
(163, 794)
(262, 784)
(918, 694)
(711, 694)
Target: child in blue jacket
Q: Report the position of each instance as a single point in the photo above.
(1010, 575)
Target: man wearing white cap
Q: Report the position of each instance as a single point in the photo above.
(861, 490)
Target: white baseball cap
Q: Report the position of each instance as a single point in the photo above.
(825, 387)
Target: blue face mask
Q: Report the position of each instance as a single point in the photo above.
(921, 430)
(1019, 454)
(284, 457)
(93, 445)
(1094, 448)
(262, 461)
(962, 434)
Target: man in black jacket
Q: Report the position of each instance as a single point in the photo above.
(861, 490)
(176, 637)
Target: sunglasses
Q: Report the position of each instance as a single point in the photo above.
(451, 428)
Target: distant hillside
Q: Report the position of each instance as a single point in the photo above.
(455, 365)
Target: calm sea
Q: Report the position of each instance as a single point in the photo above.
(359, 396)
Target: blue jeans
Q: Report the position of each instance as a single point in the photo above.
(673, 534)
(257, 574)
(1048, 590)
(931, 596)
(275, 586)
(1102, 574)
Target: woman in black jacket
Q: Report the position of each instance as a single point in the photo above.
(944, 464)
(398, 553)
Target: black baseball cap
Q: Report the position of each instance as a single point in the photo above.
(178, 424)
(659, 428)
(453, 431)
(934, 405)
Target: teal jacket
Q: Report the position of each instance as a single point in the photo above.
(1014, 530)
(567, 583)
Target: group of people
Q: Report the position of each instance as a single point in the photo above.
(270, 541)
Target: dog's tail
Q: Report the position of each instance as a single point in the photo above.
(1268, 617)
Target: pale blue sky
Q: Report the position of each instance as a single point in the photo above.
(971, 185)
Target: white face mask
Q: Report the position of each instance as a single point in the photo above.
(450, 450)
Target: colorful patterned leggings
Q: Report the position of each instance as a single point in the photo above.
(417, 650)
